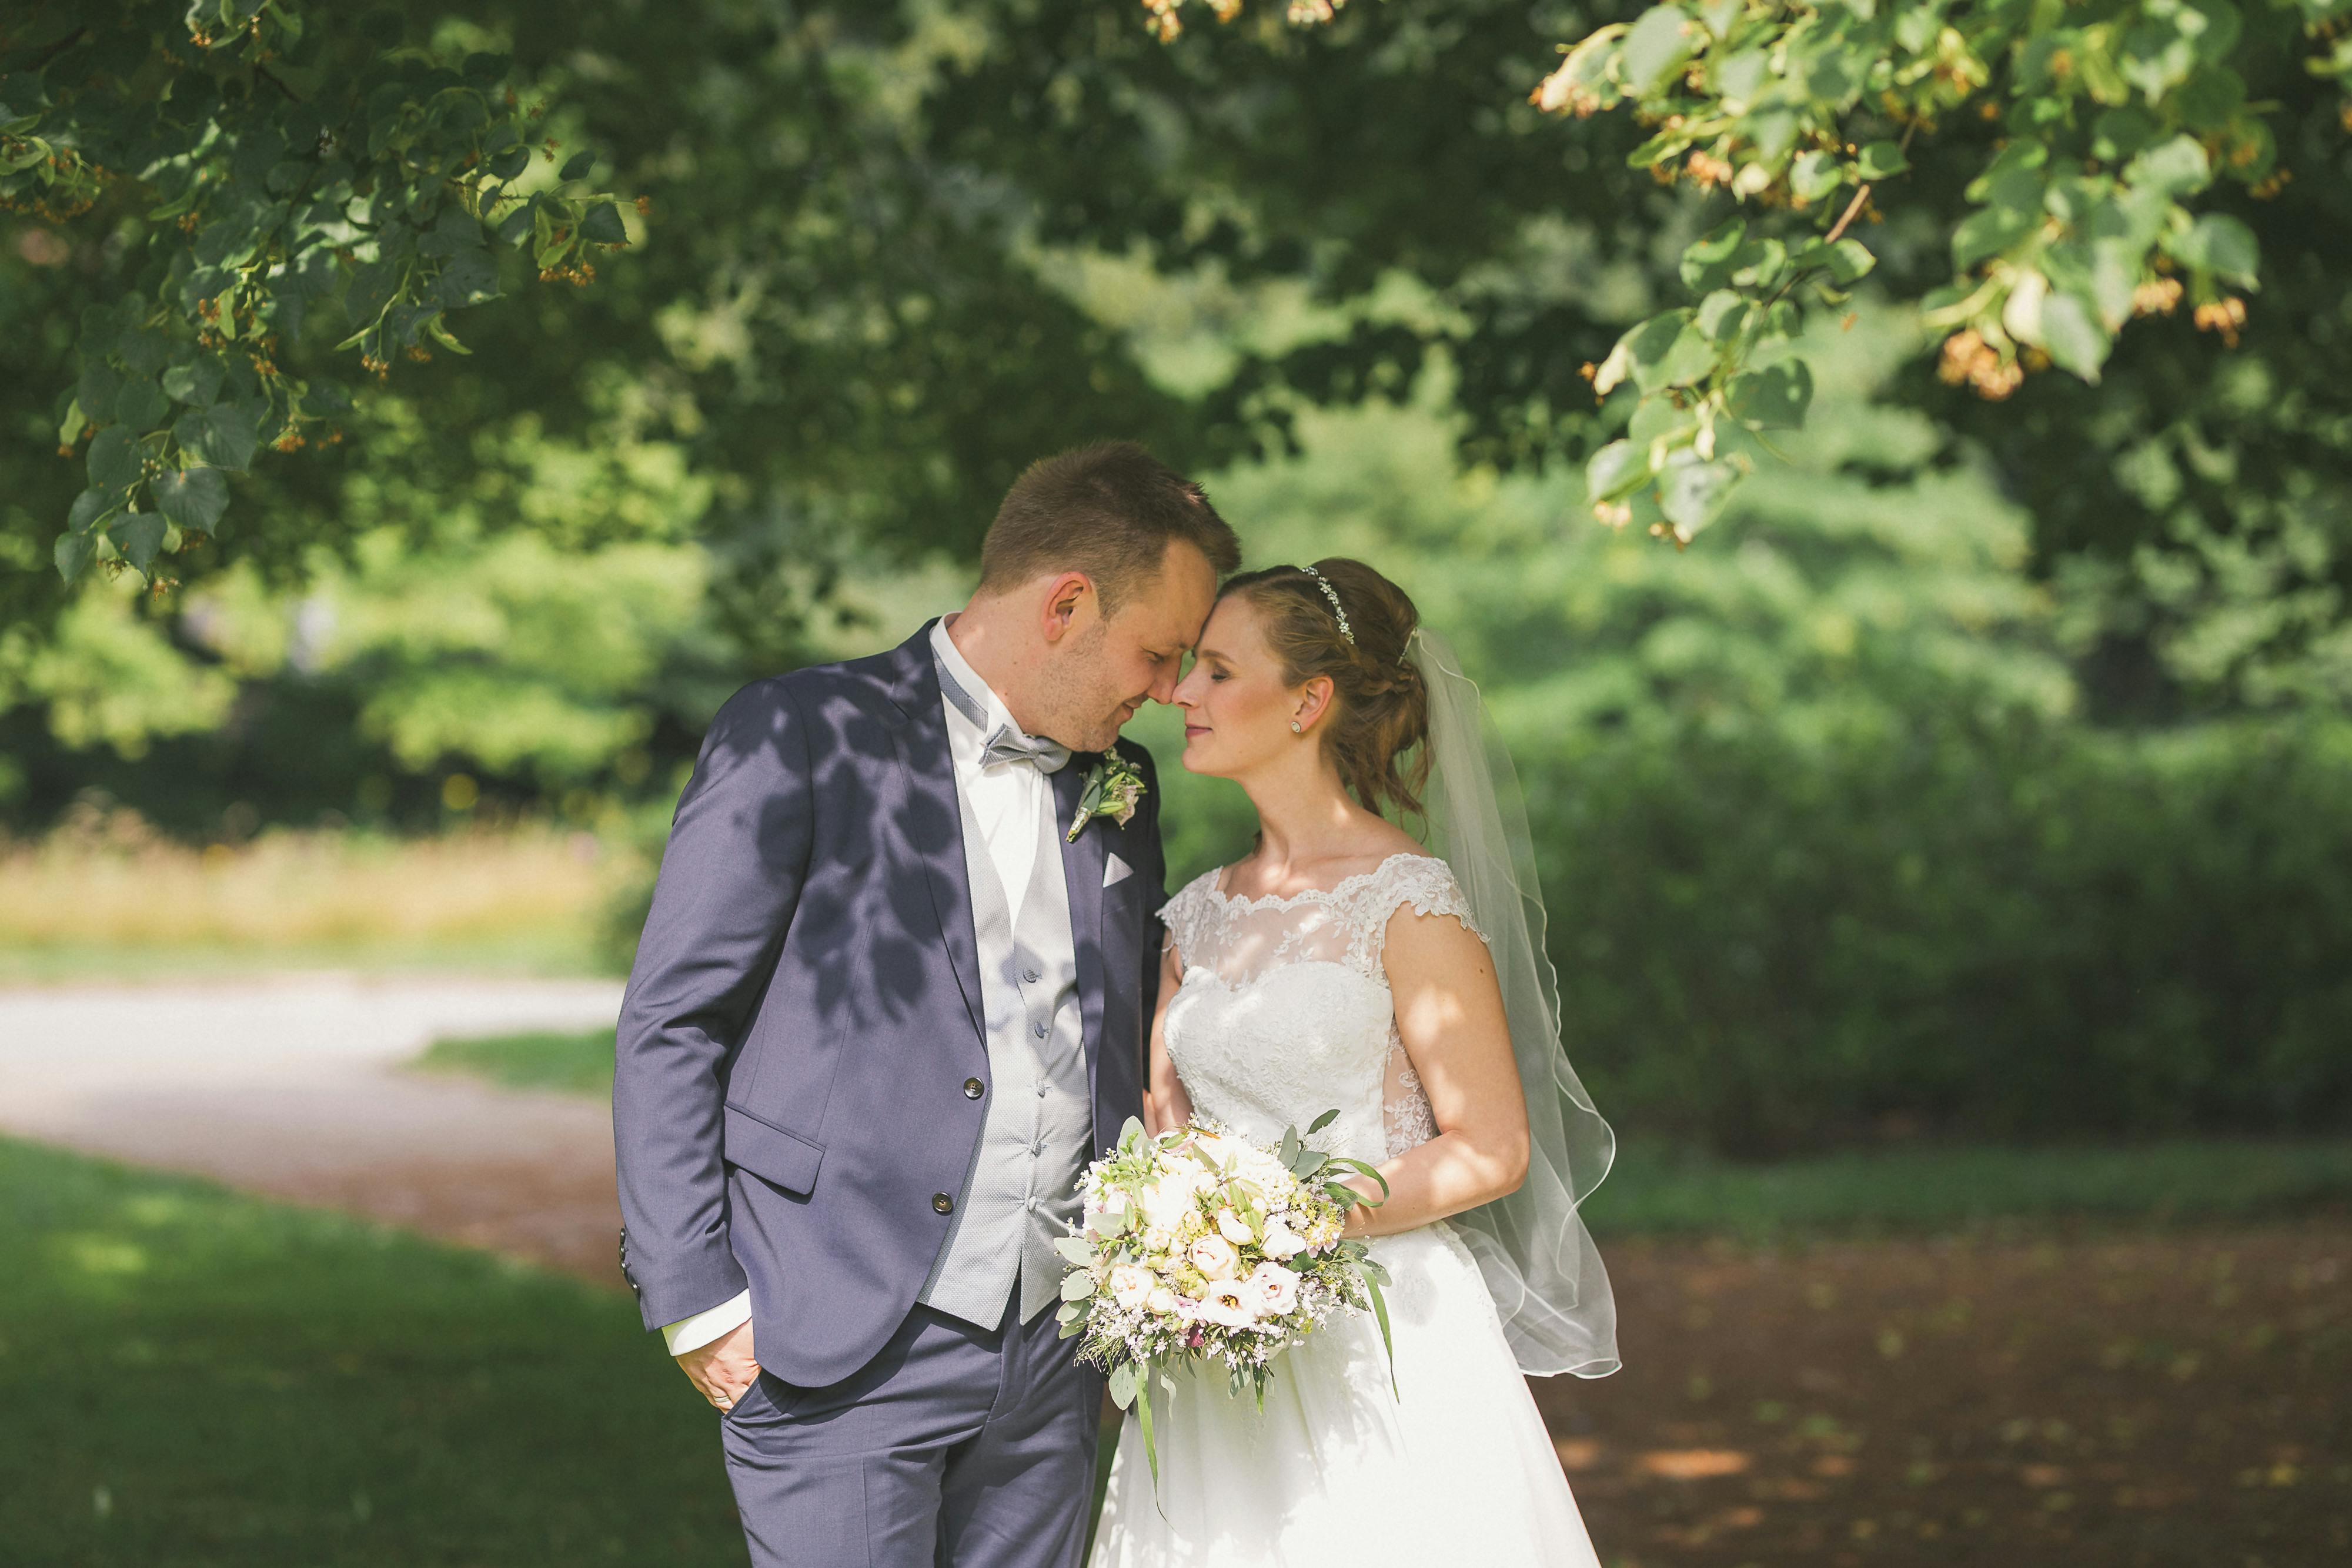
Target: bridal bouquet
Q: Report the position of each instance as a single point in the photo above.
(1199, 1246)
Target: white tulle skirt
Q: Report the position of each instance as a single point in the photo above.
(1455, 1466)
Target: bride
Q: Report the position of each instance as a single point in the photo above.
(1340, 965)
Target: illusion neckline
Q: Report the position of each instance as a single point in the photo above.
(1281, 899)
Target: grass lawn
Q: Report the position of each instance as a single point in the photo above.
(1660, 1189)
(579, 1063)
(190, 1377)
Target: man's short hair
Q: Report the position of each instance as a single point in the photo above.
(1109, 510)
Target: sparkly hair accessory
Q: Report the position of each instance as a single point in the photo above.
(1333, 595)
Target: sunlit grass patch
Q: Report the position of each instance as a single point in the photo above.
(127, 903)
(197, 1378)
(577, 1062)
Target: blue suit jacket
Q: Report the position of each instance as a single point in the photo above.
(789, 1093)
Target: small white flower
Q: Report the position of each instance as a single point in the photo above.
(1129, 1285)
(1233, 1227)
(1214, 1257)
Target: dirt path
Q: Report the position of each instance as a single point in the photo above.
(2096, 1401)
(292, 1088)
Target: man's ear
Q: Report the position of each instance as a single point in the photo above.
(1069, 598)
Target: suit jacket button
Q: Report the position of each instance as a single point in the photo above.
(973, 1088)
(942, 1203)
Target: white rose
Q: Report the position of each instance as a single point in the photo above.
(1281, 1241)
(1167, 1201)
(1156, 1239)
(1233, 1227)
(1162, 1300)
(1276, 1289)
(1227, 1304)
(1129, 1285)
(1215, 1256)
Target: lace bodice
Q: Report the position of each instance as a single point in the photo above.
(1284, 1012)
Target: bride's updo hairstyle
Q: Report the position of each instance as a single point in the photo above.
(1380, 709)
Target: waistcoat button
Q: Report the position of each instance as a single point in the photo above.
(1029, 976)
(1038, 1030)
(942, 1203)
(973, 1088)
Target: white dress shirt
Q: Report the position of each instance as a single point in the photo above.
(1010, 801)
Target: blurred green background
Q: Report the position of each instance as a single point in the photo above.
(1948, 856)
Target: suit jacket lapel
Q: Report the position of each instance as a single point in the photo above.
(1082, 867)
(933, 821)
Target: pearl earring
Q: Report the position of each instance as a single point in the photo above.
(1294, 727)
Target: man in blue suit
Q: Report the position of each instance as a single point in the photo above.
(891, 998)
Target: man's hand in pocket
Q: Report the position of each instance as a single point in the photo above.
(724, 1368)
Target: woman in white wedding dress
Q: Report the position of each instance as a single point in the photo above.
(1341, 966)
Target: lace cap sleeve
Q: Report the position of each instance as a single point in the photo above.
(1423, 882)
(1181, 916)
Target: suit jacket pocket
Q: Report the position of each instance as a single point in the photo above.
(769, 1152)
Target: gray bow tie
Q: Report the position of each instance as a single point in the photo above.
(1007, 744)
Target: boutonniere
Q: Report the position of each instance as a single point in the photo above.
(1112, 789)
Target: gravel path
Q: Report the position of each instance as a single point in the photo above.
(292, 1087)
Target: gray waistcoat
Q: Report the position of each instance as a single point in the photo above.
(1022, 1191)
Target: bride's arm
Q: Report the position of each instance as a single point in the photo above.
(1165, 1103)
(1449, 1012)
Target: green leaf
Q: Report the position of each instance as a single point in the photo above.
(1656, 48)
(2075, 341)
(2222, 244)
(1324, 1120)
(138, 535)
(1849, 259)
(141, 406)
(2174, 167)
(1691, 491)
(196, 383)
(1814, 175)
(1881, 160)
(224, 434)
(1774, 398)
(576, 167)
(603, 226)
(113, 459)
(88, 507)
(73, 554)
(1077, 1285)
(1616, 470)
(1124, 1382)
(193, 497)
(470, 278)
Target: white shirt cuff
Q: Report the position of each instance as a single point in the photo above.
(692, 1333)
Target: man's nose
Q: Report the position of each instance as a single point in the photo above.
(1163, 689)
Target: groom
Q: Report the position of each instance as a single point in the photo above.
(891, 998)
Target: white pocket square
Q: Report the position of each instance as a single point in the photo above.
(1115, 871)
